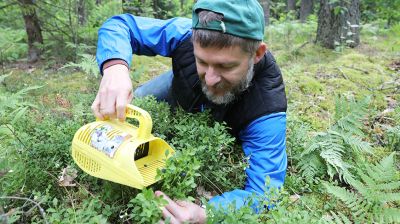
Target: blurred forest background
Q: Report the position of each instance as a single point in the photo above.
(340, 60)
(66, 30)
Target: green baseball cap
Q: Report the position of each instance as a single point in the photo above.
(242, 18)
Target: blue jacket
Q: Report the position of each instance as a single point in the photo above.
(263, 140)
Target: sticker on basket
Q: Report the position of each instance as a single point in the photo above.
(103, 143)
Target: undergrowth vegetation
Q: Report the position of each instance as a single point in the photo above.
(343, 140)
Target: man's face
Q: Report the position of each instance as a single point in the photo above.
(224, 73)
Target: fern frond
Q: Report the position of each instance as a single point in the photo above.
(385, 183)
(350, 124)
(349, 115)
(315, 145)
(387, 163)
(310, 166)
(356, 143)
(334, 158)
(382, 172)
(388, 197)
(388, 186)
(337, 218)
(376, 192)
(332, 153)
(354, 202)
(390, 215)
(88, 65)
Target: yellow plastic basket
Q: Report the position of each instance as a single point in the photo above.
(121, 152)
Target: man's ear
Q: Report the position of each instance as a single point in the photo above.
(262, 48)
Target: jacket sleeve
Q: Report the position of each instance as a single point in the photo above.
(264, 142)
(123, 35)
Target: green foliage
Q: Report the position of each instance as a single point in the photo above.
(384, 9)
(89, 211)
(45, 137)
(277, 10)
(297, 135)
(160, 9)
(244, 215)
(141, 8)
(334, 150)
(375, 195)
(281, 209)
(70, 34)
(180, 174)
(146, 207)
(10, 15)
(160, 114)
(222, 164)
(12, 44)
(289, 38)
(103, 11)
(287, 210)
(13, 108)
(393, 138)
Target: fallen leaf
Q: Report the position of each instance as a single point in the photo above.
(294, 198)
(67, 177)
(203, 193)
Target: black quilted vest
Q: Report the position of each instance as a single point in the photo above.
(265, 95)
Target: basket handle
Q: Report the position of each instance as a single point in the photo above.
(144, 118)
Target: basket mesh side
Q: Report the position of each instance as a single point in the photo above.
(134, 113)
(86, 162)
(85, 135)
(149, 171)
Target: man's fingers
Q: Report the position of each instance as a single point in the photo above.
(122, 101)
(114, 93)
(107, 105)
(167, 215)
(182, 203)
(172, 207)
(165, 212)
(96, 108)
(130, 96)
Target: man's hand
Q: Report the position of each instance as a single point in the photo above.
(115, 92)
(181, 211)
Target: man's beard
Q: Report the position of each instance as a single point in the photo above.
(231, 94)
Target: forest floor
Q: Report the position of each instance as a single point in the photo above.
(314, 78)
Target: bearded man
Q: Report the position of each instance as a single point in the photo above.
(220, 63)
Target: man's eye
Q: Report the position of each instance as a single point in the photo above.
(202, 63)
(227, 67)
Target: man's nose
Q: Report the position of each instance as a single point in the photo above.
(212, 77)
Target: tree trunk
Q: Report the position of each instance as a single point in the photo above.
(98, 2)
(291, 5)
(306, 9)
(124, 6)
(129, 7)
(135, 7)
(81, 12)
(33, 29)
(265, 5)
(158, 12)
(338, 23)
